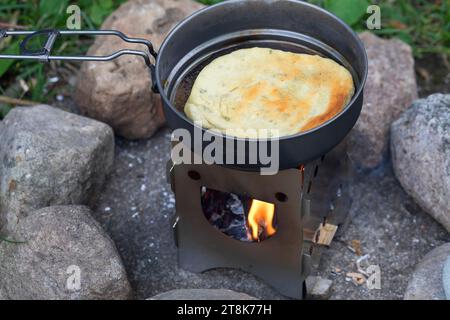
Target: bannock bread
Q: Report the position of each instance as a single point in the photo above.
(263, 88)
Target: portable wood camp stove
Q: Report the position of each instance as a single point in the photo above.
(309, 203)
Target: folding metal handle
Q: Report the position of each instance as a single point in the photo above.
(51, 38)
(44, 54)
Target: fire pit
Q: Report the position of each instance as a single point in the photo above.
(235, 211)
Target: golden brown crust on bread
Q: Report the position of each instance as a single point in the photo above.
(261, 88)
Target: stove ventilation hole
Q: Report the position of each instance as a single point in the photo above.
(281, 197)
(316, 171)
(194, 175)
(309, 187)
(302, 170)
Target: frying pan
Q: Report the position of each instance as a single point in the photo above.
(216, 30)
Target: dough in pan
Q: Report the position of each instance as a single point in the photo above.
(263, 88)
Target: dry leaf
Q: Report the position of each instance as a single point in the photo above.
(356, 245)
(357, 278)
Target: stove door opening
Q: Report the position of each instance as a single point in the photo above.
(239, 217)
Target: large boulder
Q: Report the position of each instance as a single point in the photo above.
(391, 88)
(50, 157)
(119, 92)
(426, 281)
(420, 146)
(64, 255)
(202, 294)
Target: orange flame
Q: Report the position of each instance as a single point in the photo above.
(260, 219)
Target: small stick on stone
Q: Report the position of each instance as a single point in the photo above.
(17, 102)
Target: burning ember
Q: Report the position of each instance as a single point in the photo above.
(239, 217)
(260, 220)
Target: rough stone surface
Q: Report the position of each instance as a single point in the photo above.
(202, 294)
(391, 88)
(421, 154)
(55, 239)
(446, 278)
(118, 92)
(391, 227)
(318, 288)
(426, 281)
(50, 157)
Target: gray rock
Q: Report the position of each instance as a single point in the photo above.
(420, 149)
(446, 278)
(50, 157)
(318, 288)
(202, 294)
(391, 88)
(118, 92)
(59, 242)
(426, 281)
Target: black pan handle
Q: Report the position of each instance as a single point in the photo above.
(46, 50)
(44, 54)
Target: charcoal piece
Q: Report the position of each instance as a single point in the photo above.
(227, 212)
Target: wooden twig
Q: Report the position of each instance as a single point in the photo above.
(17, 102)
(12, 26)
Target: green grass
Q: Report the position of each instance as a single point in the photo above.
(43, 14)
(424, 24)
